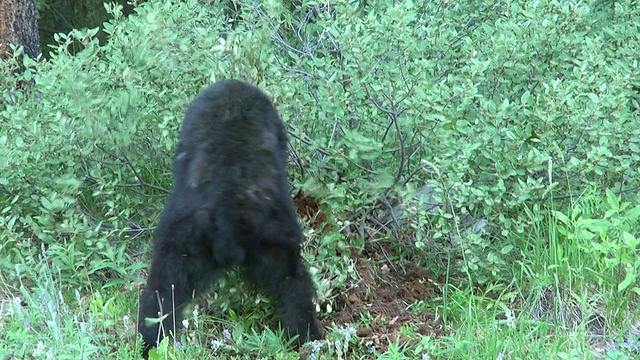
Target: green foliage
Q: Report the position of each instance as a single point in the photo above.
(506, 111)
(41, 321)
(62, 16)
(482, 107)
(606, 239)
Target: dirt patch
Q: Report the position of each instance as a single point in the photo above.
(309, 207)
(385, 291)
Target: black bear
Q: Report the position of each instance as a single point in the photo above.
(230, 206)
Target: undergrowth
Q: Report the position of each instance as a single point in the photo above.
(493, 144)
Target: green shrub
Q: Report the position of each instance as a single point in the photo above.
(497, 106)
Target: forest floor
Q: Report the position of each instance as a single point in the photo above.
(384, 293)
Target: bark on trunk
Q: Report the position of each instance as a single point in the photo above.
(19, 26)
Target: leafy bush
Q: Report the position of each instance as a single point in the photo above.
(497, 107)
(481, 104)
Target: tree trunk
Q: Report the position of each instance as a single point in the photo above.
(18, 26)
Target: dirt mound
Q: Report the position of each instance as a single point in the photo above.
(385, 292)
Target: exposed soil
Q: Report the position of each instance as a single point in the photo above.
(385, 291)
(309, 207)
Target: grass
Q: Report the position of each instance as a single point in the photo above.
(563, 301)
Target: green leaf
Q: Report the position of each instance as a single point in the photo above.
(630, 240)
(628, 280)
(507, 249)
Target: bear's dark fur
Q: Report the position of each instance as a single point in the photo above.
(230, 206)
